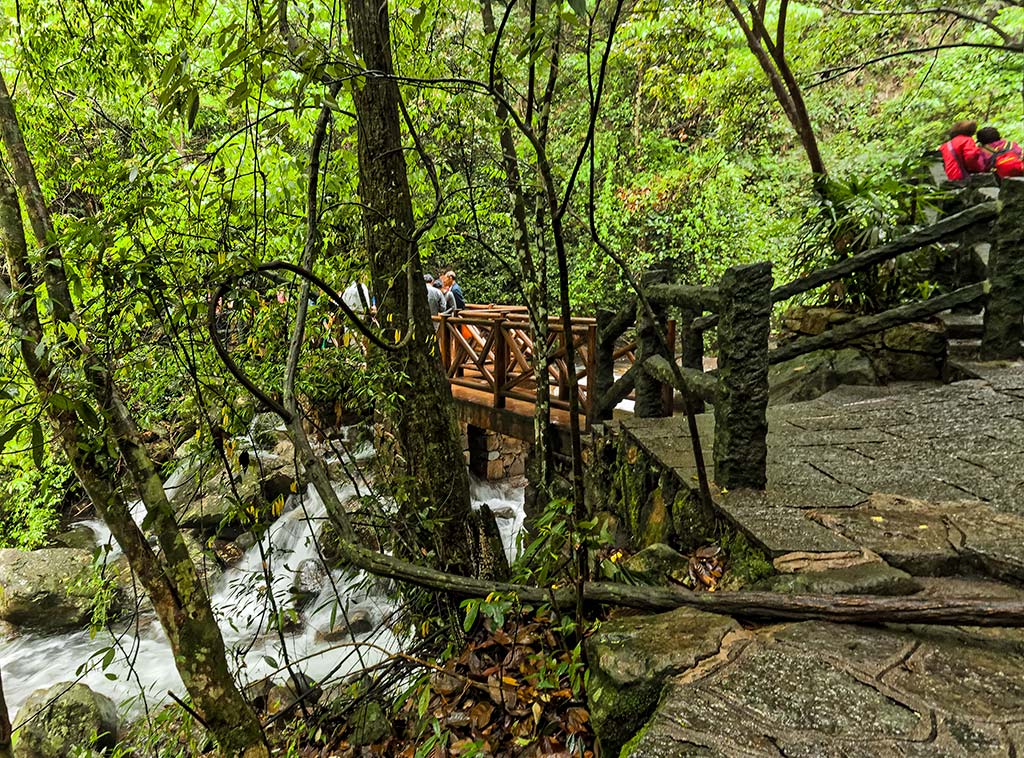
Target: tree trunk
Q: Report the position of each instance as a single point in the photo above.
(169, 578)
(425, 456)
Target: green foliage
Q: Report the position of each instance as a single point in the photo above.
(858, 213)
(33, 490)
(746, 563)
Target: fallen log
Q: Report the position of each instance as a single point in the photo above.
(754, 606)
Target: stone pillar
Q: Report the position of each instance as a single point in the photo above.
(741, 425)
(1004, 314)
(648, 389)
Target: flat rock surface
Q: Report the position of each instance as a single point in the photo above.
(818, 689)
(942, 443)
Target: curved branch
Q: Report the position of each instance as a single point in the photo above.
(937, 10)
(835, 72)
(238, 373)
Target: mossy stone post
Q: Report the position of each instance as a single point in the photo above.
(1004, 315)
(741, 425)
(648, 389)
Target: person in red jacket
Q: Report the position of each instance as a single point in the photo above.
(1002, 156)
(961, 157)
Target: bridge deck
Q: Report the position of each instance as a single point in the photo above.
(955, 442)
(515, 419)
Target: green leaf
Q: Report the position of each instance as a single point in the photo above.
(8, 434)
(579, 7)
(417, 20)
(193, 108)
(472, 610)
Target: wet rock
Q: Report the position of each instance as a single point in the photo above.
(357, 622)
(46, 590)
(631, 659)
(208, 501)
(817, 689)
(77, 536)
(810, 376)
(863, 579)
(369, 723)
(310, 578)
(229, 552)
(655, 563)
(285, 697)
(54, 722)
(791, 563)
(205, 561)
(362, 525)
(267, 430)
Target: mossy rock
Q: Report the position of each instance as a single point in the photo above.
(54, 722)
(632, 658)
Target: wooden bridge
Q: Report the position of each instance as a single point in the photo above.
(488, 354)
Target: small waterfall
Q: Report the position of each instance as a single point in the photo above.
(240, 600)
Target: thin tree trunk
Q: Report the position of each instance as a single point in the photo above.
(170, 578)
(540, 474)
(771, 58)
(425, 456)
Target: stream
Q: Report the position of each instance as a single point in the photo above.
(142, 670)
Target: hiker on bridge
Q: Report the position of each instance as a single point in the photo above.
(1002, 156)
(961, 157)
(448, 278)
(435, 298)
(447, 298)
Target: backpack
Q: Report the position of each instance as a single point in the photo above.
(1007, 161)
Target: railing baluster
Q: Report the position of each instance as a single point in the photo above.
(500, 361)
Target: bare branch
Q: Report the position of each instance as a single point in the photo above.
(937, 10)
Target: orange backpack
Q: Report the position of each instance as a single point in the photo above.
(1007, 161)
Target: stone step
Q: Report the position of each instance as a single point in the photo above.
(960, 326)
(964, 349)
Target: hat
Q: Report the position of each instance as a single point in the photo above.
(428, 278)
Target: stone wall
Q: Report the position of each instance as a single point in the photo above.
(491, 455)
(640, 500)
(910, 352)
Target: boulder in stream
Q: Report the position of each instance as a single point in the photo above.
(206, 499)
(53, 722)
(46, 590)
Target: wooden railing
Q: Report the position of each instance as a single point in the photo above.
(740, 308)
(490, 349)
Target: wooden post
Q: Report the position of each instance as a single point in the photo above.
(445, 340)
(604, 368)
(1004, 315)
(692, 348)
(741, 425)
(590, 368)
(648, 389)
(501, 355)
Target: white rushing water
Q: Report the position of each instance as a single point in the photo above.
(143, 663)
